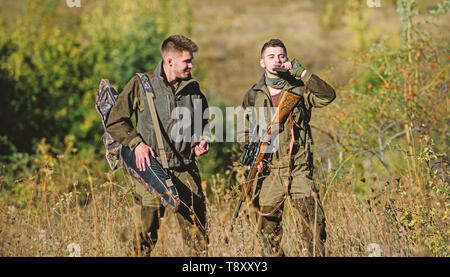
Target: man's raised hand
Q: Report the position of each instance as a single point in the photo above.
(287, 65)
(202, 148)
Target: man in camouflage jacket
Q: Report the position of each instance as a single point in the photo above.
(290, 170)
(173, 87)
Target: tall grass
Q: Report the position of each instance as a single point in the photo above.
(75, 202)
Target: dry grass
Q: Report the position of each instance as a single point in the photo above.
(96, 214)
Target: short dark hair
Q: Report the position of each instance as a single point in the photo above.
(179, 43)
(274, 42)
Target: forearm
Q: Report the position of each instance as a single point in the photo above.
(122, 132)
(319, 89)
(119, 124)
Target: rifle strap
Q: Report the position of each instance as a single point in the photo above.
(151, 105)
(251, 98)
(291, 147)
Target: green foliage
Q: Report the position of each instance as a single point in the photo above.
(52, 59)
(40, 75)
(394, 114)
(219, 160)
(397, 91)
(122, 39)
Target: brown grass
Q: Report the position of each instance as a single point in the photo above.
(96, 214)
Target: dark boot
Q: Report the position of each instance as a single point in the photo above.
(147, 224)
(312, 220)
(270, 230)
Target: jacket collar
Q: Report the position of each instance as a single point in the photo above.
(261, 84)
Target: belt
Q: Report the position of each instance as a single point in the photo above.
(172, 155)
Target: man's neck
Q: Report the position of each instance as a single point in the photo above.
(169, 75)
(274, 91)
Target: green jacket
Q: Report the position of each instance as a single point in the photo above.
(315, 92)
(132, 100)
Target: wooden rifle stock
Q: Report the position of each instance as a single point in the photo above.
(287, 103)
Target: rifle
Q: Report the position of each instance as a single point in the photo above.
(257, 152)
(250, 147)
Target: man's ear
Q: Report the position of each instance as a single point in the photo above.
(262, 63)
(169, 61)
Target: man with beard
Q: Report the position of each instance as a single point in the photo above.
(289, 171)
(173, 87)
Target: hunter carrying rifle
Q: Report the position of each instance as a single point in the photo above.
(257, 152)
(288, 171)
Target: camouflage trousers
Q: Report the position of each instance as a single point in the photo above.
(270, 194)
(191, 214)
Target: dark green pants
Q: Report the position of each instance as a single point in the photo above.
(270, 198)
(312, 221)
(191, 214)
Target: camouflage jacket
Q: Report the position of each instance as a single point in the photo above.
(132, 100)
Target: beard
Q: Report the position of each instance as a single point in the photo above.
(185, 74)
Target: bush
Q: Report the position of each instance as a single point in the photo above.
(52, 60)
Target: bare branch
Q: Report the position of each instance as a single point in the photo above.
(333, 137)
(399, 134)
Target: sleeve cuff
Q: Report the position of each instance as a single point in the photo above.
(134, 142)
(306, 76)
(297, 69)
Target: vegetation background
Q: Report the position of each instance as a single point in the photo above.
(381, 148)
